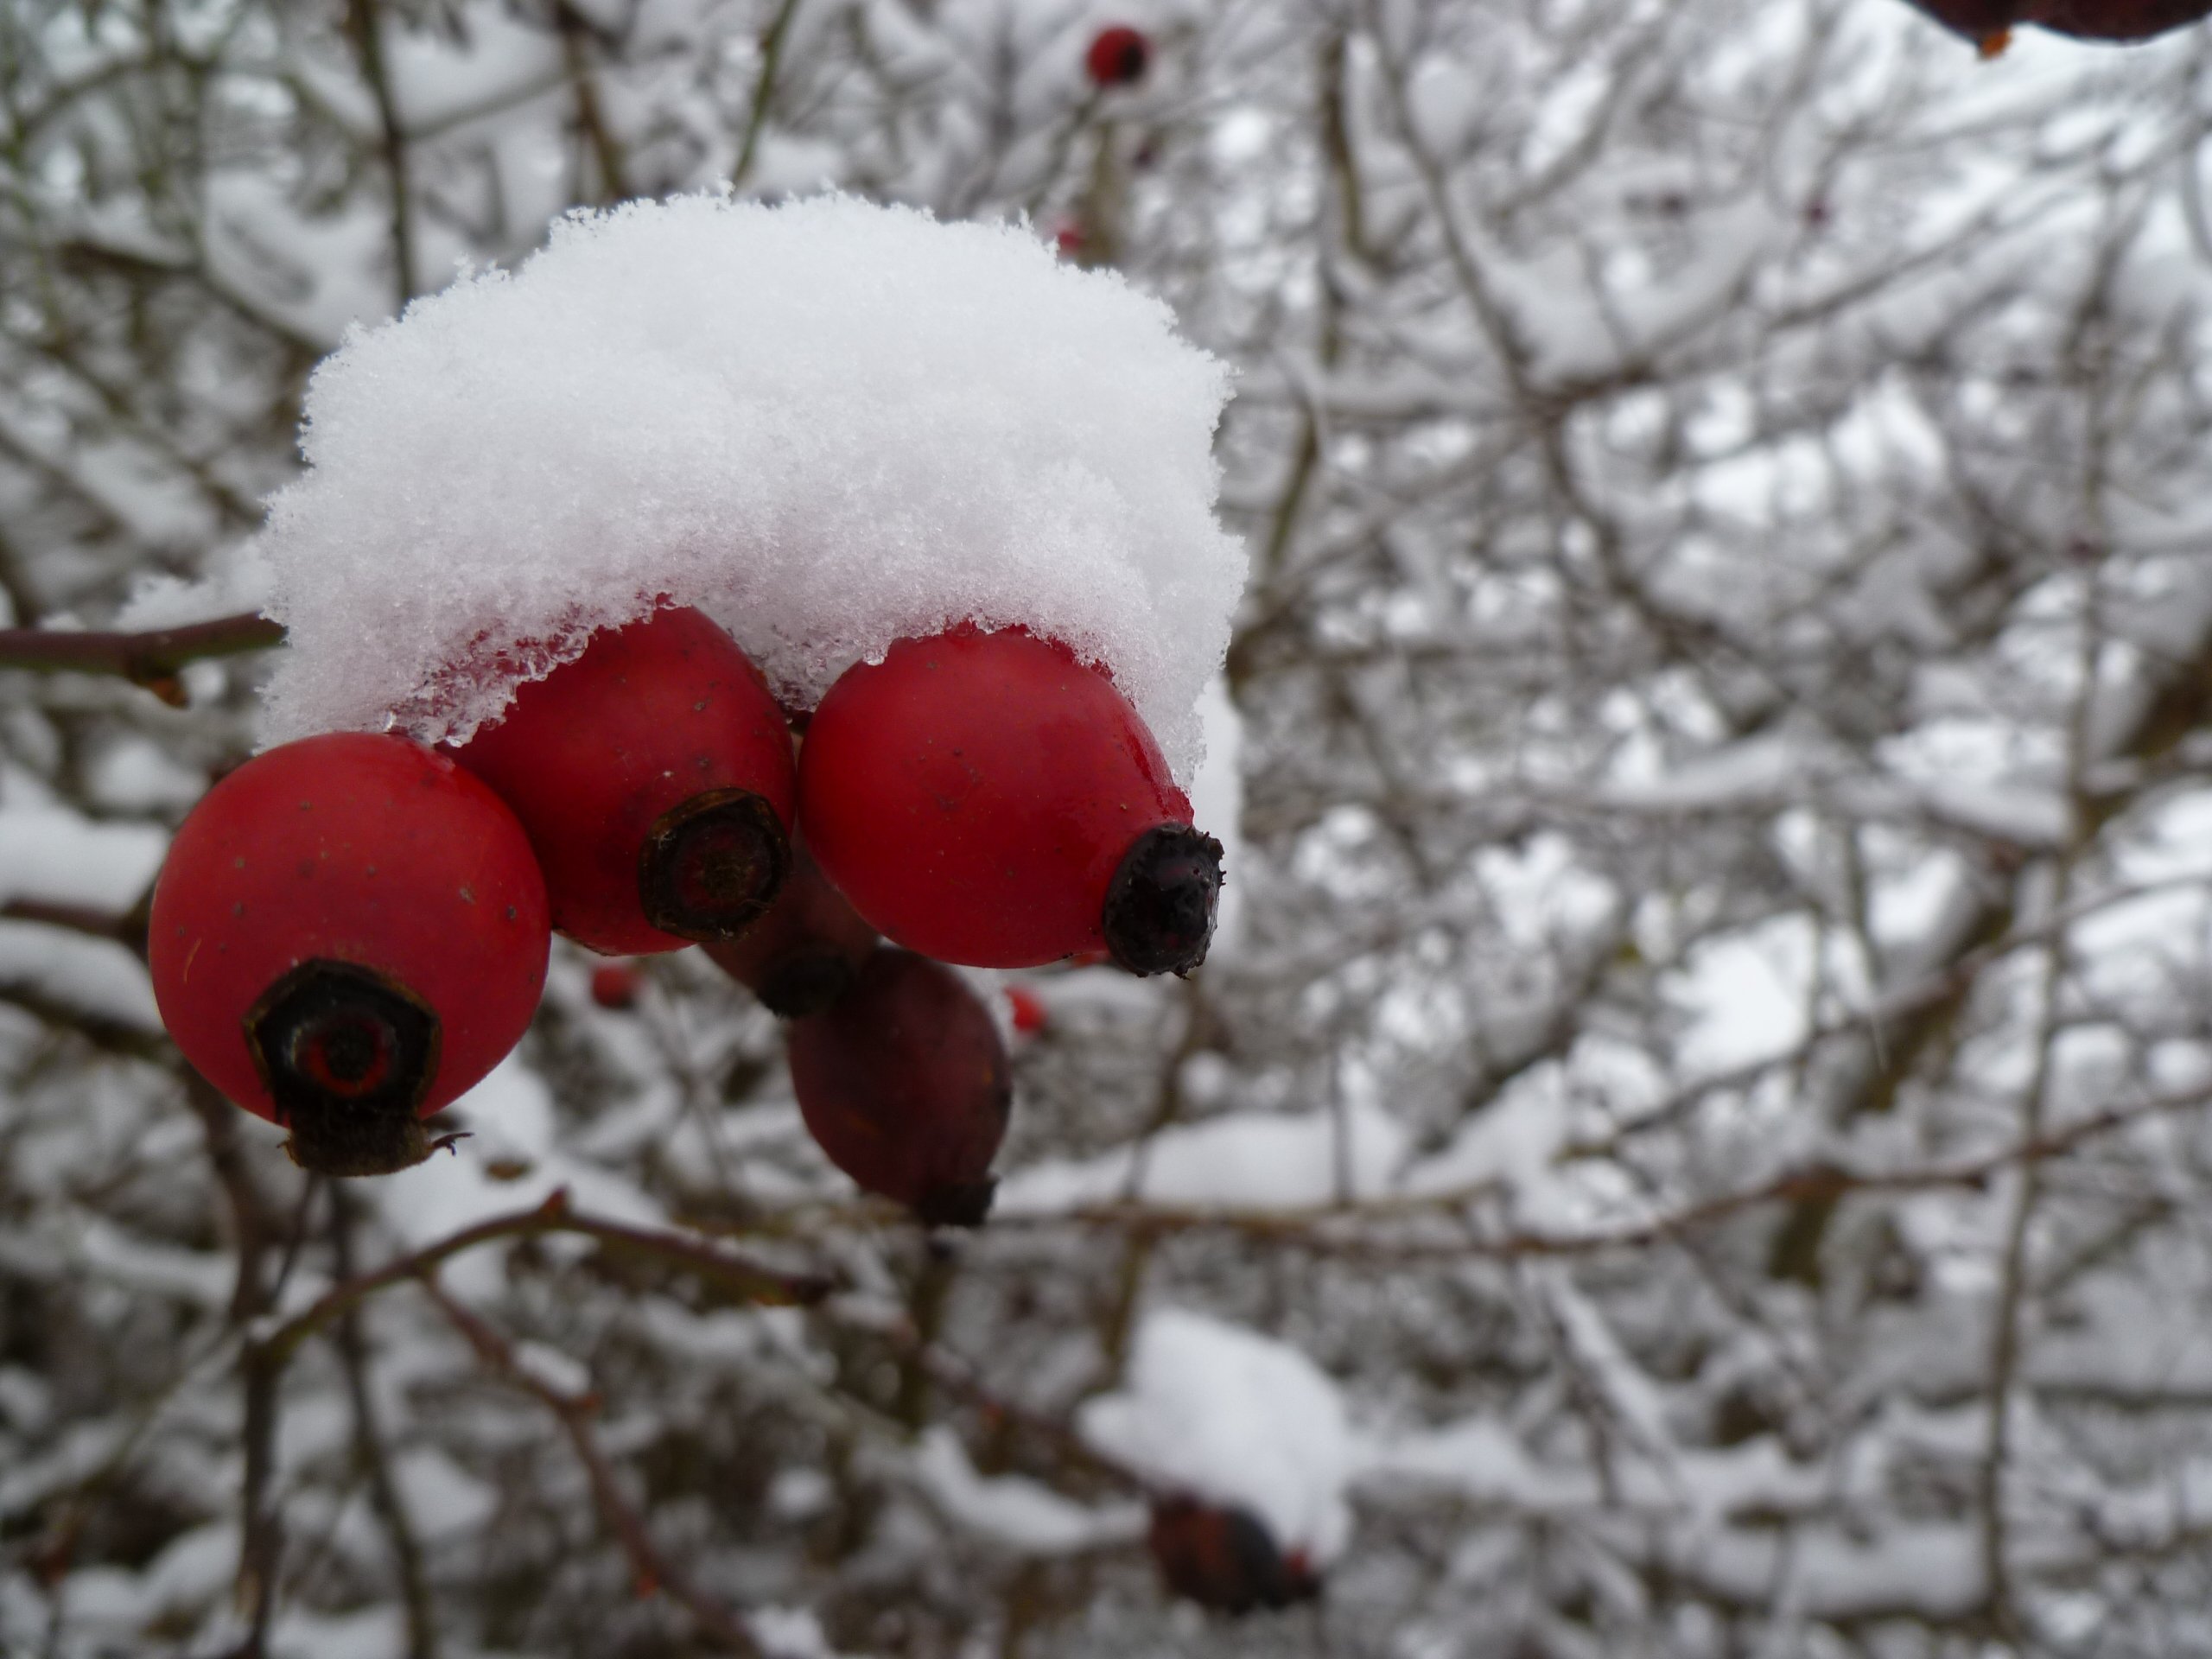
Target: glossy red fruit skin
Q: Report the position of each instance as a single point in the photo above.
(807, 951)
(615, 986)
(349, 850)
(973, 794)
(904, 1086)
(1223, 1558)
(610, 750)
(1118, 56)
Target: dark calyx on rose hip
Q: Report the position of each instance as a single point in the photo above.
(1159, 909)
(348, 1055)
(904, 1084)
(654, 777)
(710, 867)
(990, 799)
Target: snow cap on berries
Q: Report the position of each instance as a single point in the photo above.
(828, 424)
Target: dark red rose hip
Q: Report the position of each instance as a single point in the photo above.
(904, 1084)
(1117, 56)
(809, 949)
(1224, 1558)
(1987, 22)
(348, 931)
(986, 799)
(654, 777)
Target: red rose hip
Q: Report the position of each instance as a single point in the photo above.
(904, 1084)
(807, 951)
(1118, 56)
(1224, 1558)
(348, 931)
(653, 775)
(1987, 22)
(986, 799)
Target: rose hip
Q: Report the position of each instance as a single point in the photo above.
(986, 799)
(348, 931)
(904, 1084)
(654, 777)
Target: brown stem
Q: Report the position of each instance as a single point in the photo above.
(152, 659)
(764, 89)
(369, 1447)
(127, 930)
(651, 1569)
(750, 1279)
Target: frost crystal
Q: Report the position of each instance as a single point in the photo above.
(828, 424)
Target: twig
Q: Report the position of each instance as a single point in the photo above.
(361, 24)
(574, 1412)
(152, 659)
(755, 1281)
(369, 1447)
(764, 89)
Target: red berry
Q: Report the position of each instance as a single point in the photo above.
(1028, 1009)
(1987, 22)
(986, 799)
(903, 1083)
(1224, 1558)
(1069, 241)
(348, 931)
(2113, 20)
(1118, 56)
(614, 985)
(654, 776)
(807, 950)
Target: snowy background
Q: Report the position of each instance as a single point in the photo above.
(1696, 1144)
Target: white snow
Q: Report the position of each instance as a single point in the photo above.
(1241, 1160)
(829, 424)
(1218, 807)
(1017, 1514)
(1228, 1415)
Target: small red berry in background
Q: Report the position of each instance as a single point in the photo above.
(1224, 1558)
(807, 950)
(904, 1084)
(1027, 1008)
(1069, 241)
(986, 799)
(654, 777)
(1118, 56)
(1989, 23)
(615, 985)
(348, 931)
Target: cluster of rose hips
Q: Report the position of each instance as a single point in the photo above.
(350, 930)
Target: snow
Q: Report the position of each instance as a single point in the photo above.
(1226, 1415)
(1015, 1513)
(829, 424)
(49, 853)
(1241, 1160)
(1218, 807)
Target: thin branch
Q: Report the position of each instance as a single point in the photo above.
(153, 659)
(652, 1570)
(753, 1280)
